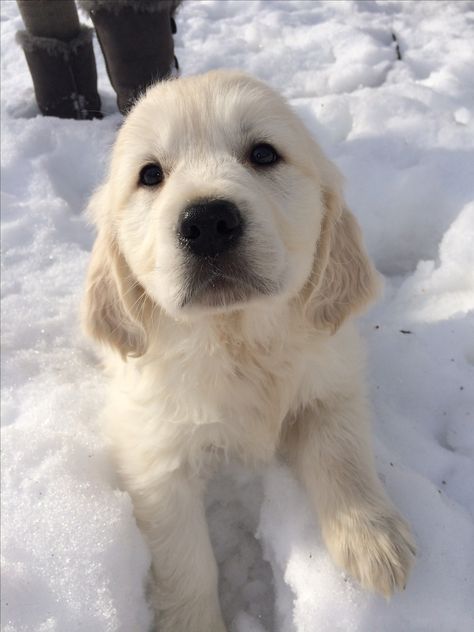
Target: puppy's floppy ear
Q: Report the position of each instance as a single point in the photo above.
(116, 308)
(343, 279)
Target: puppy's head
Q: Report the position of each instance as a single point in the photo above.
(218, 198)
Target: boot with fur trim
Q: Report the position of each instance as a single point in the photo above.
(137, 43)
(64, 74)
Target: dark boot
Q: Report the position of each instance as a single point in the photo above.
(137, 43)
(64, 74)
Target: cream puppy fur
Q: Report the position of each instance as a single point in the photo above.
(223, 279)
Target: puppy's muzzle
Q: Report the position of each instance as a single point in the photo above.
(209, 228)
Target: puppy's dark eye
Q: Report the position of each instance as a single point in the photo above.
(151, 175)
(264, 154)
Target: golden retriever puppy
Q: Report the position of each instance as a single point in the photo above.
(223, 279)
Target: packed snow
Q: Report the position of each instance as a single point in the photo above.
(402, 132)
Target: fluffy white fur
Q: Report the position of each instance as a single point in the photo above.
(280, 372)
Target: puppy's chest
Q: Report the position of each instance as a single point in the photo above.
(211, 400)
(235, 388)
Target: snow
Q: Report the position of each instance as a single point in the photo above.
(402, 132)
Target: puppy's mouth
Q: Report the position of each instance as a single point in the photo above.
(219, 283)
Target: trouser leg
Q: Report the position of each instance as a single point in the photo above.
(57, 19)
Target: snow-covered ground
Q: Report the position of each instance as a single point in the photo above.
(402, 131)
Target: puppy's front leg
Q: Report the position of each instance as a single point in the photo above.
(329, 447)
(170, 512)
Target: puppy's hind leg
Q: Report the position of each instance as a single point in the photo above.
(329, 448)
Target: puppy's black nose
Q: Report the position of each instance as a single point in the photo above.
(209, 228)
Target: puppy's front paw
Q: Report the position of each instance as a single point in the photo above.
(197, 616)
(378, 550)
